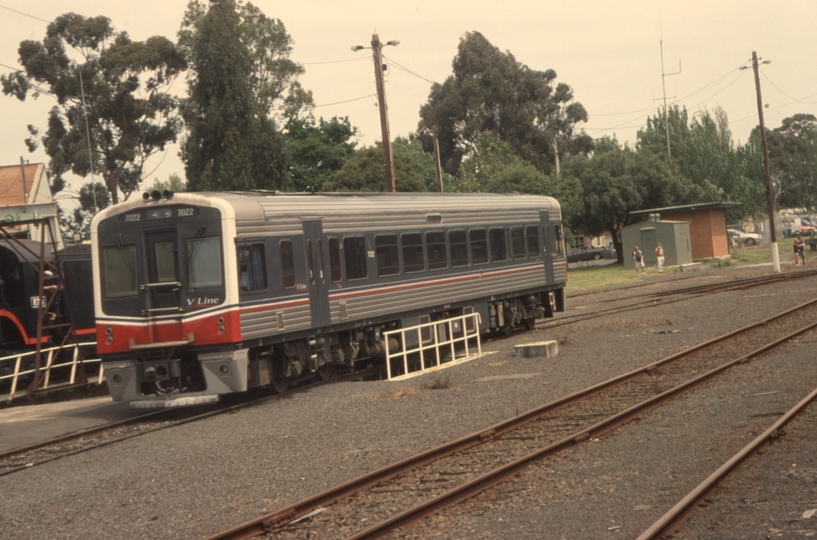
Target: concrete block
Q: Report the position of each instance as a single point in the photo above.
(545, 349)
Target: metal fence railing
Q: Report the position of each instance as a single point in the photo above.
(63, 362)
(429, 345)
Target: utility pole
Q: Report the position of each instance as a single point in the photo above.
(388, 157)
(769, 192)
(437, 162)
(664, 88)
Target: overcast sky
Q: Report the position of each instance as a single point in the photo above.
(608, 52)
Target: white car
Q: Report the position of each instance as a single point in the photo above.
(739, 237)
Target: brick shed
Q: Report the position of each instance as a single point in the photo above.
(707, 226)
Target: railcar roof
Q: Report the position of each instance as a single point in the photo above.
(344, 203)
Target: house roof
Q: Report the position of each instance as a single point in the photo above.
(11, 183)
(685, 208)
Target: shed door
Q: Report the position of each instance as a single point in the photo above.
(648, 245)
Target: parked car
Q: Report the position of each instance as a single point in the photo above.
(590, 254)
(740, 237)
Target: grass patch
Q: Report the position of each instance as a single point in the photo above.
(612, 276)
(437, 381)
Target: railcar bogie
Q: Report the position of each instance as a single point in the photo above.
(232, 291)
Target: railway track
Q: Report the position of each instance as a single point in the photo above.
(396, 496)
(675, 295)
(19, 459)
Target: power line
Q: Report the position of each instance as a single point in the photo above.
(784, 93)
(24, 14)
(407, 70)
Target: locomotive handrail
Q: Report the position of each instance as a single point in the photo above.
(17, 373)
(161, 309)
(161, 284)
(161, 344)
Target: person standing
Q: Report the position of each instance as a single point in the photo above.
(799, 251)
(659, 257)
(638, 257)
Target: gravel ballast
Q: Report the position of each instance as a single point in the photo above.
(198, 479)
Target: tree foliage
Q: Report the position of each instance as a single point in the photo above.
(365, 171)
(232, 143)
(130, 115)
(491, 91)
(316, 151)
(424, 162)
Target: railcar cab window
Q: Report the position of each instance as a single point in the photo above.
(287, 264)
(388, 262)
(479, 246)
(413, 260)
(435, 250)
(518, 243)
(354, 249)
(252, 267)
(532, 236)
(203, 263)
(119, 271)
(334, 260)
(499, 247)
(459, 248)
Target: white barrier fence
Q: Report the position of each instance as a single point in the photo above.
(20, 361)
(437, 343)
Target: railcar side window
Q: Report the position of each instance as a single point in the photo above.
(518, 243)
(287, 264)
(435, 250)
(119, 271)
(532, 236)
(334, 259)
(499, 247)
(413, 253)
(459, 248)
(252, 267)
(204, 262)
(354, 249)
(479, 246)
(385, 247)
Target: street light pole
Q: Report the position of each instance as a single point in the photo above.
(769, 193)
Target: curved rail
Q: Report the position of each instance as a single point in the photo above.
(285, 515)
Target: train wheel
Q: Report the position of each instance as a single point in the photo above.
(278, 374)
(325, 371)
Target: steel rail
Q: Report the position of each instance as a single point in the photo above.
(488, 480)
(285, 515)
(100, 429)
(673, 515)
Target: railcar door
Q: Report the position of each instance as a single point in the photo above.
(316, 272)
(548, 243)
(163, 292)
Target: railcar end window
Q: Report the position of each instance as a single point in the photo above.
(334, 259)
(165, 256)
(354, 249)
(479, 246)
(287, 264)
(388, 262)
(435, 250)
(459, 248)
(252, 267)
(413, 260)
(518, 243)
(119, 271)
(532, 235)
(204, 262)
(499, 246)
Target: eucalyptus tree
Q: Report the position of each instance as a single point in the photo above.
(491, 91)
(113, 109)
